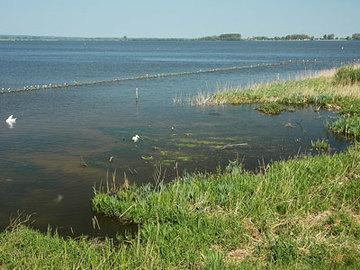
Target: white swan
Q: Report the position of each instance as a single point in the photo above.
(135, 138)
(11, 120)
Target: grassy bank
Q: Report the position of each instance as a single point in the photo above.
(302, 213)
(334, 90)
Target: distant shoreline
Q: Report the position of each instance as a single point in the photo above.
(157, 39)
(222, 37)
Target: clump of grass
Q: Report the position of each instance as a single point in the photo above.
(272, 108)
(320, 145)
(347, 75)
(349, 126)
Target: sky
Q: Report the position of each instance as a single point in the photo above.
(178, 18)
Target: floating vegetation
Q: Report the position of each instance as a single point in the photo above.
(147, 158)
(190, 145)
(167, 162)
(271, 108)
(184, 158)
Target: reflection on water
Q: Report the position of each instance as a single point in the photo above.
(41, 169)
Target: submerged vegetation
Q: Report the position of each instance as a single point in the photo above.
(301, 213)
(273, 108)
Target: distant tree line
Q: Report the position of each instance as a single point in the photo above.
(232, 36)
(355, 36)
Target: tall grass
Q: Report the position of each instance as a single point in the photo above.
(347, 75)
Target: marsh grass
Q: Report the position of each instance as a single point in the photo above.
(336, 90)
(347, 75)
(348, 126)
(278, 218)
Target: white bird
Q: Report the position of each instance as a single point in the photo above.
(135, 138)
(11, 120)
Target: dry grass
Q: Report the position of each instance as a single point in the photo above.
(311, 86)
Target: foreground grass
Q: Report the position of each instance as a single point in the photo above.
(302, 213)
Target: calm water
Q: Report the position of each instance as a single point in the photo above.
(40, 169)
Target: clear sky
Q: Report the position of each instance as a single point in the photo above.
(178, 18)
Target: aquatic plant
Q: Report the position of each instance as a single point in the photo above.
(271, 108)
(320, 145)
(349, 126)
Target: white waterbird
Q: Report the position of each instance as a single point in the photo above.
(135, 138)
(10, 120)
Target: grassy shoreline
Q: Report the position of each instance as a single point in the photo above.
(301, 213)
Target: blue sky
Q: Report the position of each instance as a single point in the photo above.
(181, 18)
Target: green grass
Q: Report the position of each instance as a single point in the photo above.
(338, 91)
(271, 108)
(348, 126)
(303, 213)
(320, 145)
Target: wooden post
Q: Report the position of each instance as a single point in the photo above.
(137, 95)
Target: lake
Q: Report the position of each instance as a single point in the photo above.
(58, 130)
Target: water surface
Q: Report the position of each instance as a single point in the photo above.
(40, 164)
